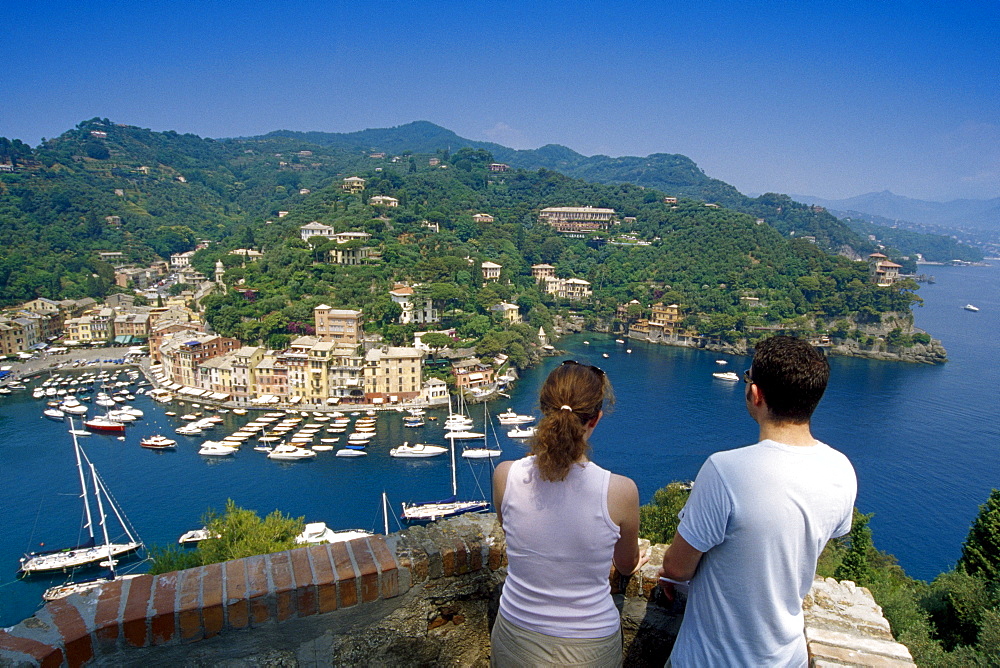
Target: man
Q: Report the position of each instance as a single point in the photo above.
(757, 519)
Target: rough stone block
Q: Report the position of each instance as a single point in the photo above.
(305, 588)
(75, 636)
(389, 571)
(163, 618)
(212, 608)
(366, 568)
(347, 579)
(258, 589)
(17, 650)
(283, 585)
(237, 605)
(135, 618)
(324, 577)
(189, 605)
(107, 613)
(840, 656)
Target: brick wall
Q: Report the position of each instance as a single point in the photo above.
(247, 607)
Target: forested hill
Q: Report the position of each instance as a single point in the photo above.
(108, 187)
(672, 174)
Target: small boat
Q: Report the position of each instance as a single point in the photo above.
(158, 442)
(352, 451)
(605, 355)
(586, 343)
(196, 536)
(619, 340)
(288, 453)
(726, 375)
(216, 449)
(481, 453)
(104, 424)
(970, 307)
(413, 422)
(81, 432)
(322, 448)
(517, 432)
(721, 362)
(240, 411)
(54, 414)
(463, 435)
(417, 450)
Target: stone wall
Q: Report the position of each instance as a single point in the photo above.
(423, 597)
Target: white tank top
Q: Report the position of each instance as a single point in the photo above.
(560, 541)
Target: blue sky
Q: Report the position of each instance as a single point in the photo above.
(817, 98)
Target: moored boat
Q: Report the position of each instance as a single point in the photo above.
(158, 442)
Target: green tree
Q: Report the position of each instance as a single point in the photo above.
(981, 550)
(658, 519)
(856, 563)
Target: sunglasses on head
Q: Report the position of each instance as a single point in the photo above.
(596, 369)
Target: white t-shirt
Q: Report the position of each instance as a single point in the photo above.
(761, 514)
(560, 541)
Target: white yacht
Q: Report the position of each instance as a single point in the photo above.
(417, 450)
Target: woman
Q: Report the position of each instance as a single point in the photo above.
(567, 521)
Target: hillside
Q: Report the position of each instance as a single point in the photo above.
(672, 174)
(103, 186)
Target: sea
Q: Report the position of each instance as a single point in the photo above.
(924, 440)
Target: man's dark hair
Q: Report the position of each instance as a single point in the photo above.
(792, 374)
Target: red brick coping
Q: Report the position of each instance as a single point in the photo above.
(192, 605)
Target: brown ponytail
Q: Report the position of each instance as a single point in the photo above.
(571, 397)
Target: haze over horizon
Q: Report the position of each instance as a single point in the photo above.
(831, 101)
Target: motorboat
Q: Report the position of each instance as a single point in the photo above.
(352, 451)
(158, 442)
(413, 422)
(286, 452)
(318, 533)
(81, 432)
(723, 362)
(68, 588)
(417, 450)
(481, 453)
(216, 449)
(517, 432)
(54, 414)
(970, 307)
(463, 435)
(726, 375)
(196, 536)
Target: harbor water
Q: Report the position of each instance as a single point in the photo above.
(923, 439)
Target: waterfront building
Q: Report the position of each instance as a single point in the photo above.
(471, 373)
(242, 362)
(667, 318)
(434, 391)
(338, 325)
(165, 326)
(270, 378)
(131, 327)
(183, 352)
(393, 374)
(577, 218)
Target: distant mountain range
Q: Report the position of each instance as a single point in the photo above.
(958, 214)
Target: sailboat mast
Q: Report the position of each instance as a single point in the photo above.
(454, 479)
(83, 482)
(385, 512)
(104, 520)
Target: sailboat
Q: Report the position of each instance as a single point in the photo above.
(67, 588)
(89, 552)
(486, 451)
(421, 513)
